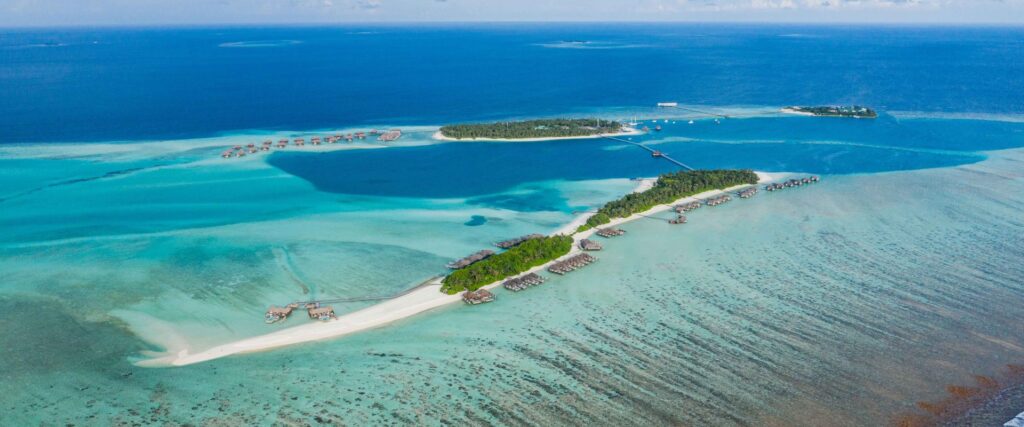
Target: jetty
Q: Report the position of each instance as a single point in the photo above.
(469, 260)
(478, 296)
(510, 243)
(590, 245)
(609, 232)
(571, 264)
(654, 153)
(517, 284)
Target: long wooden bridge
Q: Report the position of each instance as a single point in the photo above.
(662, 155)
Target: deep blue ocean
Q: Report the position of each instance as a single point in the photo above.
(142, 84)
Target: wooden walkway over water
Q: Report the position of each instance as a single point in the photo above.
(663, 155)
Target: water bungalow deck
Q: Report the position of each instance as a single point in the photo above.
(321, 313)
(469, 260)
(478, 296)
(277, 314)
(391, 135)
(590, 245)
(688, 206)
(506, 244)
(574, 263)
(718, 200)
(517, 284)
(609, 232)
(791, 183)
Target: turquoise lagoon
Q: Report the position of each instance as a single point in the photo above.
(842, 303)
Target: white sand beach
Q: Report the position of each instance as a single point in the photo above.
(418, 301)
(626, 131)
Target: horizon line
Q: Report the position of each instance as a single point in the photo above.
(1004, 24)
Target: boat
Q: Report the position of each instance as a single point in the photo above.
(691, 122)
(657, 128)
(668, 104)
(657, 153)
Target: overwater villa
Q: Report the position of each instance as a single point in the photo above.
(609, 232)
(478, 296)
(797, 182)
(282, 143)
(277, 314)
(688, 206)
(469, 260)
(718, 200)
(590, 245)
(322, 313)
(517, 284)
(681, 219)
(390, 135)
(506, 244)
(571, 264)
(747, 193)
(315, 140)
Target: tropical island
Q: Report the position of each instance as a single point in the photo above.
(855, 111)
(522, 257)
(529, 254)
(669, 188)
(527, 130)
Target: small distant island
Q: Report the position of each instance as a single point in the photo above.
(855, 111)
(535, 130)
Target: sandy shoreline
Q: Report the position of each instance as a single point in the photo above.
(423, 299)
(627, 131)
(790, 110)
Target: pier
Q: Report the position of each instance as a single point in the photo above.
(654, 153)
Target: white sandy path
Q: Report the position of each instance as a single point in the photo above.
(415, 302)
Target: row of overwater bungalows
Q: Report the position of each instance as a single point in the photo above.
(240, 151)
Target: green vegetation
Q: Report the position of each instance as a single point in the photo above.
(546, 128)
(842, 111)
(669, 188)
(525, 256)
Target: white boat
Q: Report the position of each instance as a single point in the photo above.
(668, 104)
(691, 122)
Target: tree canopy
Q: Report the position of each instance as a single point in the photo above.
(525, 256)
(543, 128)
(669, 188)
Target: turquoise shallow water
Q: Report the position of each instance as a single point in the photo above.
(841, 303)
